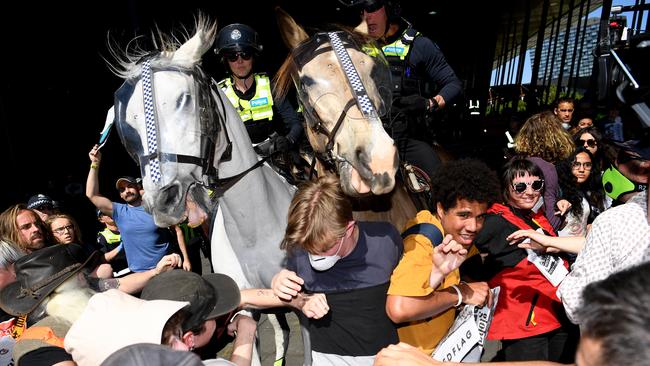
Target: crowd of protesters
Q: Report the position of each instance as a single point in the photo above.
(524, 261)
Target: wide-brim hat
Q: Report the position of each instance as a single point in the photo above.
(210, 296)
(40, 273)
(113, 320)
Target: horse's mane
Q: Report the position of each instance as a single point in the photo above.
(284, 77)
(126, 60)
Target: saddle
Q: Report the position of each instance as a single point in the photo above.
(418, 185)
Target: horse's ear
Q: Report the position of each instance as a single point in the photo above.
(292, 33)
(192, 50)
(362, 28)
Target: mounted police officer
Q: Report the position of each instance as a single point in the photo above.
(250, 92)
(423, 82)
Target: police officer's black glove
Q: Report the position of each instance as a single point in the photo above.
(280, 144)
(412, 103)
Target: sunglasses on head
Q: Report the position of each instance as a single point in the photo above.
(589, 142)
(232, 57)
(536, 185)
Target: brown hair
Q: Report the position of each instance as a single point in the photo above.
(174, 327)
(542, 135)
(319, 213)
(76, 230)
(9, 228)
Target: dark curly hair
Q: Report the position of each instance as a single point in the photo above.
(468, 179)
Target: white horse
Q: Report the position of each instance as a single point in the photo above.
(174, 122)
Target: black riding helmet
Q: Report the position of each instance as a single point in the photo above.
(237, 37)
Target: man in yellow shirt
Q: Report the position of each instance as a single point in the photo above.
(425, 286)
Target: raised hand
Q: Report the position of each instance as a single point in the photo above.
(95, 155)
(448, 255)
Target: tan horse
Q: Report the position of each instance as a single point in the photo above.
(340, 88)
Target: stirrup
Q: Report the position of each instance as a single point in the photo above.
(415, 179)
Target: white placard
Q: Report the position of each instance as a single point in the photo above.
(464, 340)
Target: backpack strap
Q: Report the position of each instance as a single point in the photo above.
(431, 231)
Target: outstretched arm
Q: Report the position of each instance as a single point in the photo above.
(541, 242)
(92, 183)
(312, 305)
(135, 282)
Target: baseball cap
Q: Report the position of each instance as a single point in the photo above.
(39, 200)
(144, 354)
(209, 296)
(126, 179)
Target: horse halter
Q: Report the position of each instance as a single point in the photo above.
(206, 111)
(359, 98)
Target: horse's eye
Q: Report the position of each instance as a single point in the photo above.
(183, 101)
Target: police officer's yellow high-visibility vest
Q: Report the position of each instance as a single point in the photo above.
(259, 107)
(400, 48)
(111, 237)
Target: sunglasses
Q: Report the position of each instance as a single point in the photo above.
(588, 142)
(232, 57)
(536, 185)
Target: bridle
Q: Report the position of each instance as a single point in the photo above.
(206, 115)
(211, 124)
(339, 42)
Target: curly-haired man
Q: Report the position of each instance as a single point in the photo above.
(425, 286)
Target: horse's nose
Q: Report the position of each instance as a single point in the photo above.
(382, 183)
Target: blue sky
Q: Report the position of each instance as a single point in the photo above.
(594, 14)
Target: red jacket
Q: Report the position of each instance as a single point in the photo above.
(527, 303)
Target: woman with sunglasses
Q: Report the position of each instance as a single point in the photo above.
(529, 317)
(591, 139)
(580, 181)
(249, 92)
